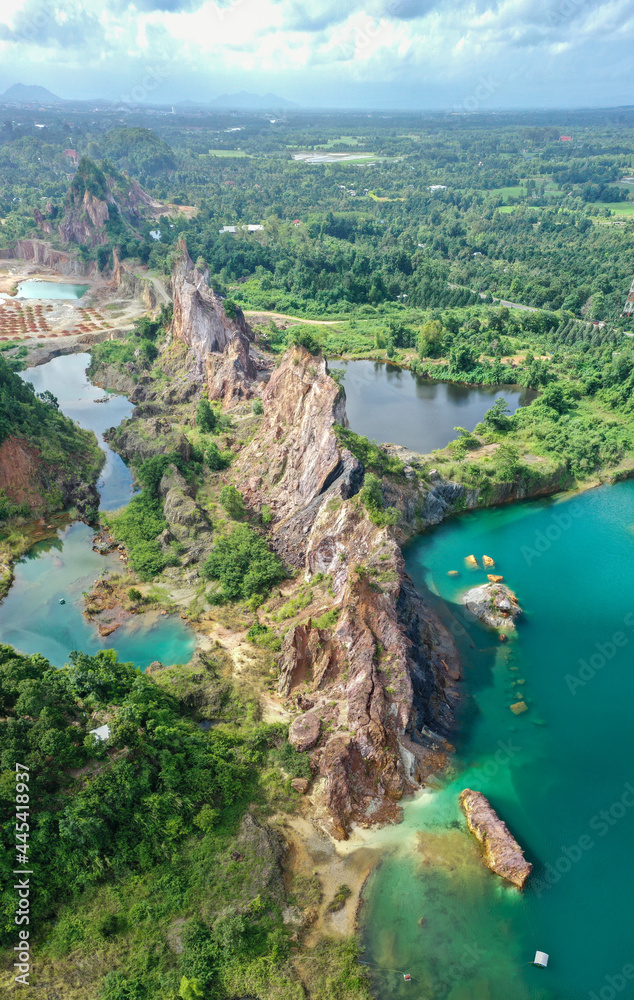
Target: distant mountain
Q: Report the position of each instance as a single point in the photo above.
(261, 102)
(19, 93)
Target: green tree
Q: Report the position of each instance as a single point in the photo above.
(206, 417)
(243, 564)
(231, 499)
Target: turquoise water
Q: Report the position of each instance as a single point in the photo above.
(63, 567)
(50, 290)
(66, 378)
(33, 620)
(561, 775)
(387, 403)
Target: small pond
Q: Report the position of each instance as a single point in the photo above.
(387, 403)
(50, 290)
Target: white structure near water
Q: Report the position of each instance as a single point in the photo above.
(541, 959)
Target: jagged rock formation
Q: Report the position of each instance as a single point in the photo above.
(221, 344)
(382, 680)
(502, 854)
(494, 604)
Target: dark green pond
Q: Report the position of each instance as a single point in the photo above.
(561, 775)
(387, 403)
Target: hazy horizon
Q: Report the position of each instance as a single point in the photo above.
(395, 55)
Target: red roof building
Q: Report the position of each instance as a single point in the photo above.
(565, 138)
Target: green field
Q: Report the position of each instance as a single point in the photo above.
(227, 152)
(620, 207)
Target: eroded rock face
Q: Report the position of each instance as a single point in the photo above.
(382, 680)
(502, 854)
(187, 522)
(494, 604)
(220, 343)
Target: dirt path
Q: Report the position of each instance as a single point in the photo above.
(256, 314)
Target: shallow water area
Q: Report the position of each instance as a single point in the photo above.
(387, 403)
(560, 775)
(33, 619)
(61, 568)
(50, 290)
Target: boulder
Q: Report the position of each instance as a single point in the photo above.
(453, 572)
(300, 785)
(494, 604)
(487, 561)
(304, 732)
(492, 578)
(471, 561)
(519, 707)
(502, 854)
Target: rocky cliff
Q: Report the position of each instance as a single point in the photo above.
(381, 681)
(220, 343)
(41, 253)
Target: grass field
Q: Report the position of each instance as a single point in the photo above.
(620, 207)
(227, 152)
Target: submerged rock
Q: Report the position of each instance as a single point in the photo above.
(502, 854)
(494, 604)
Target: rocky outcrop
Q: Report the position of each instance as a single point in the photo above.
(502, 854)
(41, 253)
(382, 680)
(130, 284)
(494, 604)
(138, 441)
(187, 522)
(201, 322)
(26, 478)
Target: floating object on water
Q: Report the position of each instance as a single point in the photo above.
(408, 978)
(541, 959)
(62, 601)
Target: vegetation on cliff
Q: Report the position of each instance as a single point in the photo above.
(66, 459)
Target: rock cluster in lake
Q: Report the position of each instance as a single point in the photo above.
(494, 604)
(502, 854)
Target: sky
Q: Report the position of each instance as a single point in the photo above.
(465, 55)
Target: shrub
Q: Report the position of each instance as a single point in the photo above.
(371, 496)
(243, 564)
(217, 459)
(206, 417)
(231, 500)
(258, 407)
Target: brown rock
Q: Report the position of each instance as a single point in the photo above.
(304, 732)
(493, 578)
(487, 561)
(106, 630)
(519, 707)
(502, 854)
(453, 572)
(300, 785)
(471, 561)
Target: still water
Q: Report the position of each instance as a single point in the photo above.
(387, 403)
(561, 775)
(63, 567)
(50, 290)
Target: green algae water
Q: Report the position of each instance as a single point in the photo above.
(561, 775)
(60, 569)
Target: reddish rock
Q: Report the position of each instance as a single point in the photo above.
(300, 785)
(502, 854)
(304, 732)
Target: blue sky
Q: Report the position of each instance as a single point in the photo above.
(460, 54)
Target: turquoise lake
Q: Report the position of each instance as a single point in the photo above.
(561, 775)
(64, 566)
(50, 290)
